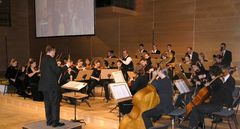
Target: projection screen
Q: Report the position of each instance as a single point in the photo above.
(64, 17)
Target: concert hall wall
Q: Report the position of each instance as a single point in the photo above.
(201, 24)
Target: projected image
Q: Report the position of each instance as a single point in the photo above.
(64, 17)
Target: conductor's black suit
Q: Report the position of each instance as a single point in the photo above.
(48, 84)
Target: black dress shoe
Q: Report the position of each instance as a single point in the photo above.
(58, 124)
(49, 124)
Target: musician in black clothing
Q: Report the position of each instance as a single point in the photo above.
(227, 55)
(79, 66)
(127, 61)
(155, 50)
(48, 84)
(16, 76)
(193, 55)
(33, 79)
(216, 91)
(95, 80)
(143, 77)
(148, 59)
(119, 67)
(229, 85)
(164, 89)
(111, 54)
(141, 48)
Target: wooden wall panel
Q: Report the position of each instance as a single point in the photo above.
(17, 35)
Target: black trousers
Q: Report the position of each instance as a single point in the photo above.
(151, 115)
(52, 106)
(93, 83)
(198, 112)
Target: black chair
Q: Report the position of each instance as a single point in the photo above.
(228, 113)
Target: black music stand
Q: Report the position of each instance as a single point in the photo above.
(76, 86)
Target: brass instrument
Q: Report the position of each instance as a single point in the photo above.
(166, 59)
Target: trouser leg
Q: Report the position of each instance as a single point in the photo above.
(48, 109)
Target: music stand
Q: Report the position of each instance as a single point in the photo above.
(112, 62)
(76, 86)
(118, 77)
(107, 73)
(181, 86)
(182, 76)
(84, 75)
(120, 92)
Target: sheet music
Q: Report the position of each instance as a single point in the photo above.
(181, 86)
(120, 90)
(118, 77)
(72, 85)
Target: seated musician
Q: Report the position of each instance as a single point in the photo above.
(127, 61)
(95, 80)
(198, 79)
(229, 84)
(141, 49)
(164, 89)
(110, 54)
(193, 55)
(148, 59)
(186, 61)
(34, 75)
(143, 76)
(79, 66)
(120, 67)
(88, 64)
(155, 50)
(68, 74)
(13, 73)
(217, 60)
(169, 49)
(202, 57)
(216, 102)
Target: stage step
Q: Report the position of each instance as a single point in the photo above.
(42, 125)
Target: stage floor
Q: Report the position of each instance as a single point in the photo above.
(16, 111)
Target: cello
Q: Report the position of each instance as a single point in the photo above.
(202, 95)
(145, 99)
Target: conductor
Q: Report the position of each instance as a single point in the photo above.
(48, 84)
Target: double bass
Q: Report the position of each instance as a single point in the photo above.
(145, 99)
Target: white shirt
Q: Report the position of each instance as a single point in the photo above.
(226, 78)
(128, 61)
(223, 52)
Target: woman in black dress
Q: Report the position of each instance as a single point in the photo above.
(33, 74)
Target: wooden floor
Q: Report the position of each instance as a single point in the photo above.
(16, 111)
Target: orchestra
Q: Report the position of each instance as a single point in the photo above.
(217, 79)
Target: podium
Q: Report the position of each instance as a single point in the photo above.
(76, 86)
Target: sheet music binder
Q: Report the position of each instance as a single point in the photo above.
(120, 91)
(73, 85)
(181, 86)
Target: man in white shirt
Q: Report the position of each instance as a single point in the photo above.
(127, 61)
